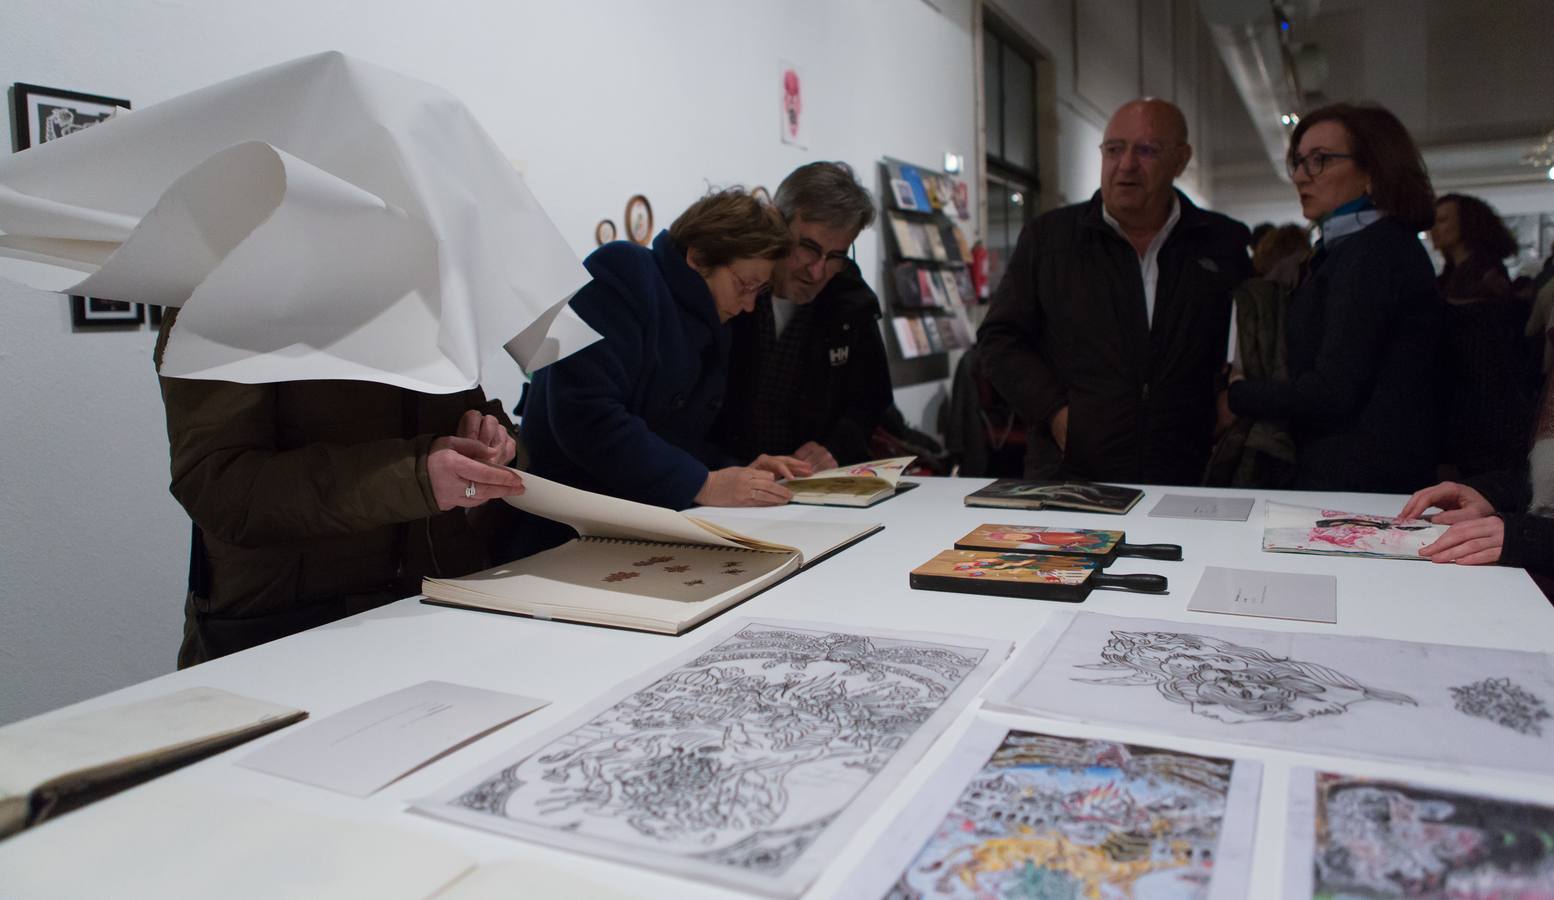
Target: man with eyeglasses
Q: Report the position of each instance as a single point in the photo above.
(1110, 326)
(808, 376)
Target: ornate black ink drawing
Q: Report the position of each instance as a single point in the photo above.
(1503, 702)
(1229, 682)
(740, 757)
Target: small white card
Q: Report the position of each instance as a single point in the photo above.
(360, 750)
(1189, 506)
(1271, 595)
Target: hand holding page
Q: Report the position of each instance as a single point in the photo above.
(321, 218)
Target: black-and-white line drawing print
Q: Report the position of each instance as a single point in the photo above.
(1230, 682)
(1502, 701)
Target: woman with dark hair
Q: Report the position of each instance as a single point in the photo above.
(1489, 405)
(1363, 328)
(629, 415)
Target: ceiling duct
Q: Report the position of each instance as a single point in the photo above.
(1254, 38)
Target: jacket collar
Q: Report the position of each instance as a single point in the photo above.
(685, 284)
(1191, 215)
(847, 292)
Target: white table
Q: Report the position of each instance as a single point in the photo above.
(339, 665)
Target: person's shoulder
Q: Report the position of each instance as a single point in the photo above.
(620, 259)
(1221, 226)
(848, 295)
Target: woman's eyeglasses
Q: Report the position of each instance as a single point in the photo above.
(1314, 162)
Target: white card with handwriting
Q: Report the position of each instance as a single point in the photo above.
(1271, 595)
(1189, 506)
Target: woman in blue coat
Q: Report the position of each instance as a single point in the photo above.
(1363, 328)
(629, 415)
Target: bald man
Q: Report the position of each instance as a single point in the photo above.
(1110, 325)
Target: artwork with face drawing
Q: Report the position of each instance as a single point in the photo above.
(1298, 529)
(1014, 813)
(1325, 693)
(1358, 837)
(747, 761)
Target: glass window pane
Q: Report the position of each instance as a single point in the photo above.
(1019, 125)
(1009, 204)
(992, 93)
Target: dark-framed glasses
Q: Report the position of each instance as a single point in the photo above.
(1314, 162)
(807, 252)
(1148, 151)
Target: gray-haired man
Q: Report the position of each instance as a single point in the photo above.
(808, 375)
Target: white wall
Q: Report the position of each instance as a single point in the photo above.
(596, 99)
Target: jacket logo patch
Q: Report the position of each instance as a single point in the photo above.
(1208, 264)
(839, 356)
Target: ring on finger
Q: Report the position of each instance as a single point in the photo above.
(469, 490)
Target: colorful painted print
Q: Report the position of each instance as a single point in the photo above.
(1299, 529)
(1400, 839)
(1020, 568)
(1069, 817)
(1042, 540)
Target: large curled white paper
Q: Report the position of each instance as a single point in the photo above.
(321, 218)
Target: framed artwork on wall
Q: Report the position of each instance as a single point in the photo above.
(90, 312)
(604, 232)
(639, 220)
(42, 114)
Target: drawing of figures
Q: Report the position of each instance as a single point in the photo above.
(1393, 839)
(1301, 530)
(739, 757)
(1075, 818)
(1503, 702)
(1229, 682)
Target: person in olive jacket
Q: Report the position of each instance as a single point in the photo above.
(316, 500)
(808, 375)
(1111, 323)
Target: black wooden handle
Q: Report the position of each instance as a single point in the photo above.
(1151, 551)
(1149, 584)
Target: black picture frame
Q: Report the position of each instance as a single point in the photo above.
(40, 114)
(92, 313)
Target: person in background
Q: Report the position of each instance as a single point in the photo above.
(629, 416)
(808, 376)
(1110, 326)
(1363, 328)
(316, 500)
(1488, 403)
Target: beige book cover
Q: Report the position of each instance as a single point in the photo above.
(863, 484)
(51, 764)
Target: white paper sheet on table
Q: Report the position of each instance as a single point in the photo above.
(746, 761)
(359, 750)
(320, 218)
(1272, 595)
(1058, 811)
(1467, 707)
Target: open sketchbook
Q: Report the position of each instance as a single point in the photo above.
(54, 764)
(1300, 529)
(175, 841)
(637, 566)
(864, 484)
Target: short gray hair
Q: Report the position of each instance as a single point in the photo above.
(827, 193)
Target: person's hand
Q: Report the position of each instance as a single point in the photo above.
(783, 466)
(1059, 426)
(1458, 502)
(742, 486)
(489, 431)
(461, 476)
(1476, 542)
(816, 455)
(1223, 417)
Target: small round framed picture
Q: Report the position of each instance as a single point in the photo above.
(639, 220)
(604, 232)
(760, 194)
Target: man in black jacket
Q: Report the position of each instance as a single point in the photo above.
(1112, 319)
(808, 375)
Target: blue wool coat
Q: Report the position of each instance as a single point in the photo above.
(629, 415)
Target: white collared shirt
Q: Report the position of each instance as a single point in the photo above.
(1149, 263)
(782, 313)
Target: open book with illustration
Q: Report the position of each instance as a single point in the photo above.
(864, 484)
(1300, 529)
(639, 566)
